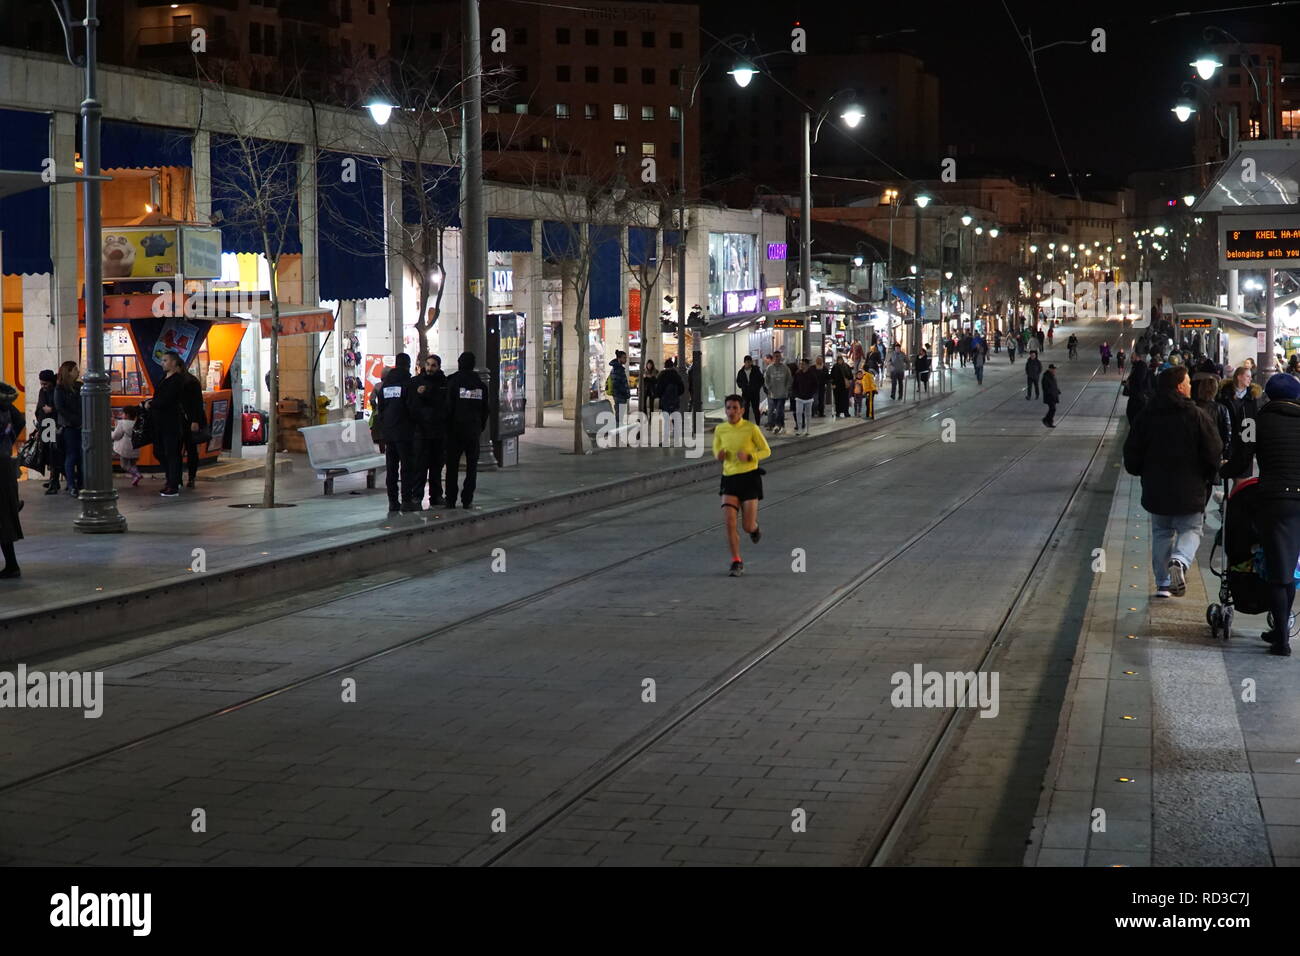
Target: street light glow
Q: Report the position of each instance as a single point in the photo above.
(994, 232)
(922, 200)
(742, 73)
(1206, 64)
(966, 220)
(852, 116)
(1189, 199)
(857, 261)
(380, 111)
(1183, 109)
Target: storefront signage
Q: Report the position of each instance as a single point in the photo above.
(740, 303)
(505, 341)
(138, 252)
(1270, 242)
(776, 250)
(773, 304)
(321, 321)
(218, 419)
(787, 323)
(201, 253)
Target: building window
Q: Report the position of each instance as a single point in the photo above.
(647, 149)
(620, 111)
(675, 150)
(648, 75)
(561, 110)
(268, 40)
(620, 149)
(675, 41)
(647, 112)
(345, 11)
(546, 142)
(620, 74)
(591, 37)
(620, 38)
(521, 109)
(675, 77)
(674, 112)
(591, 111)
(435, 41)
(1291, 124)
(562, 36)
(562, 74)
(254, 38)
(494, 107)
(647, 38)
(592, 74)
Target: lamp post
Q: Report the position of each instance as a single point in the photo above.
(922, 200)
(99, 514)
(1207, 64)
(851, 116)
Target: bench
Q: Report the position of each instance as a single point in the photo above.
(331, 455)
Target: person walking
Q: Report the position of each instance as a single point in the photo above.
(647, 387)
(1120, 359)
(426, 399)
(1277, 517)
(875, 361)
(740, 446)
(1175, 448)
(170, 408)
(1011, 349)
(670, 389)
(1105, 357)
(11, 529)
(897, 371)
(1033, 369)
(978, 358)
(399, 435)
(841, 385)
(1051, 333)
(67, 411)
(777, 380)
(1243, 400)
(806, 385)
(1042, 340)
(467, 412)
(1138, 387)
(1051, 396)
(47, 425)
(1072, 346)
(857, 355)
(749, 383)
(921, 367)
(997, 340)
(620, 389)
(126, 452)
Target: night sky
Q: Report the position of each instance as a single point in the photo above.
(1111, 110)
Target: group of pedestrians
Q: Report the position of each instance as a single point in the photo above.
(1188, 430)
(426, 423)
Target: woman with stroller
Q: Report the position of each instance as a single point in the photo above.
(1277, 514)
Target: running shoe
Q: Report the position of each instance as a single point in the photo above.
(1163, 592)
(737, 568)
(1177, 579)
(755, 535)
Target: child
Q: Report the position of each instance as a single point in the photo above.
(122, 446)
(865, 389)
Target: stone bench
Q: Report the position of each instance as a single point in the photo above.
(342, 448)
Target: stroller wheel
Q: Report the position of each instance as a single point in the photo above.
(1212, 616)
(1225, 621)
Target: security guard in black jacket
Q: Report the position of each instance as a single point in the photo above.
(426, 400)
(467, 413)
(399, 435)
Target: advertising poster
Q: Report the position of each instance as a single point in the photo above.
(506, 333)
(138, 252)
(177, 335)
(374, 372)
(202, 253)
(220, 415)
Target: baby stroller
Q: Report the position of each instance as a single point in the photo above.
(1241, 581)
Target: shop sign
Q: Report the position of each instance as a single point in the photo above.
(138, 252)
(201, 252)
(740, 303)
(776, 250)
(785, 322)
(1196, 322)
(322, 321)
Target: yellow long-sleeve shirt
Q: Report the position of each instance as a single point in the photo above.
(733, 439)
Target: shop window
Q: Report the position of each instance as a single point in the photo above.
(733, 273)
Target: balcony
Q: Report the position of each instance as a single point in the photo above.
(155, 44)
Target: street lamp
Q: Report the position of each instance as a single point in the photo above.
(1207, 63)
(811, 130)
(380, 111)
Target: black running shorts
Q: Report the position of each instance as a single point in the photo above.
(746, 486)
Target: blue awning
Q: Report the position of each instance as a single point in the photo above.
(671, 237)
(606, 274)
(441, 186)
(641, 247)
(133, 146)
(510, 235)
(559, 241)
(255, 185)
(350, 201)
(904, 298)
(25, 218)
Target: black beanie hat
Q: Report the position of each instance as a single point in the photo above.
(403, 361)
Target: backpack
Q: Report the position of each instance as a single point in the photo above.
(142, 430)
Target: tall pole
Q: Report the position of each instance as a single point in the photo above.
(99, 512)
(920, 288)
(805, 214)
(474, 223)
(1265, 360)
(683, 333)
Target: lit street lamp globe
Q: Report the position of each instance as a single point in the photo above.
(380, 111)
(1206, 64)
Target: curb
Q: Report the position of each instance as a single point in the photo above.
(63, 627)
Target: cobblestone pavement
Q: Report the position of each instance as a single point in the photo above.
(598, 691)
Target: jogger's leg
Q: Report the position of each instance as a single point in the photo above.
(730, 508)
(750, 515)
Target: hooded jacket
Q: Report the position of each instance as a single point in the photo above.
(467, 401)
(1241, 458)
(751, 383)
(670, 389)
(1051, 390)
(394, 419)
(1277, 446)
(618, 376)
(1175, 448)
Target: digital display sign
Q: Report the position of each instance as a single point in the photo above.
(1195, 322)
(787, 323)
(1264, 242)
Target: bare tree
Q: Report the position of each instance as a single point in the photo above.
(255, 184)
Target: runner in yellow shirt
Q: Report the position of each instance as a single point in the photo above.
(739, 444)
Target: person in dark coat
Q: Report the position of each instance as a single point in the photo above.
(1139, 384)
(194, 401)
(823, 383)
(468, 409)
(622, 392)
(47, 423)
(669, 390)
(1033, 370)
(67, 411)
(1242, 399)
(1175, 448)
(749, 382)
(172, 406)
(426, 399)
(647, 387)
(399, 436)
(1204, 389)
(1277, 514)
(841, 382)
(1051, 396)
(11, 529)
